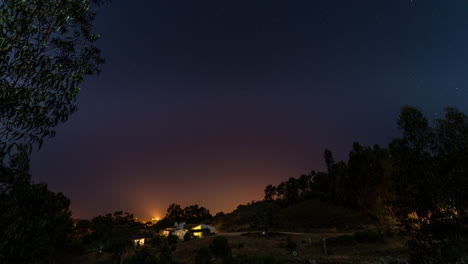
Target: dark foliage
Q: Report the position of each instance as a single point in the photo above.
(420, 181)
(431, 183)
(290, 244)
(113, 233)
(34, 224)
(220, 249)
(203, 256)
(142, 256)
(46, 51)
(192, 214)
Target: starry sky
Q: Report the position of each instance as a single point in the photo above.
(209, 101)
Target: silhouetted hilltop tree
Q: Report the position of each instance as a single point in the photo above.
(196, 214)
(270, 193)
(175, 213)
(192, 214)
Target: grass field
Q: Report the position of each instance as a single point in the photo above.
(340, 248)
(309, 246)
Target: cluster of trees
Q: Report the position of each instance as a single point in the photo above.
(363, 182)
(114, 234)
(34, 222)
(219, 251)
(110, 233)
(192, 214)
(46, 50)
(420, 181)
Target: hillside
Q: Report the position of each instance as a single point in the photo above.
(304, 216)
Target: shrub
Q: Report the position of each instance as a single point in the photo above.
(220, 249)
(142, 256)
(203, 256)
(172, 239)
(290, 244)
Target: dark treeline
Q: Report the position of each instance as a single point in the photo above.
(419, 181)
(192, 214)
(364, 182)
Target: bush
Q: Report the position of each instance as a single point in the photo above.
(142, 256)
(203, 256)
(291, 245)
(172, 239)
(220, 249)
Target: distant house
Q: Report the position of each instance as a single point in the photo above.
(140, 239)
(202, 230)
(181, 229)
(166, 232)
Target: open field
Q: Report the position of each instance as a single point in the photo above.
(309, 247)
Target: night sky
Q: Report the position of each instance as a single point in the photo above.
(209, 101)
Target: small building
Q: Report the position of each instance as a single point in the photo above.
(140, 239)
(202, 230)
(167, 231)
(179, 230)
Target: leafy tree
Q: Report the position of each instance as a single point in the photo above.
(34, 224)
(175, 213)
(46, 51)
(305, 184)
(431, 180)
(263, 215)
(83, 227)
(370, 180)
(270, 192)
(15, 173)
(165, 246)
(196, 214)
(288, 191)
(112, 233)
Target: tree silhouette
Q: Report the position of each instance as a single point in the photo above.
(34, 224)
(112, 233)
(46, 51)
(430, 174)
